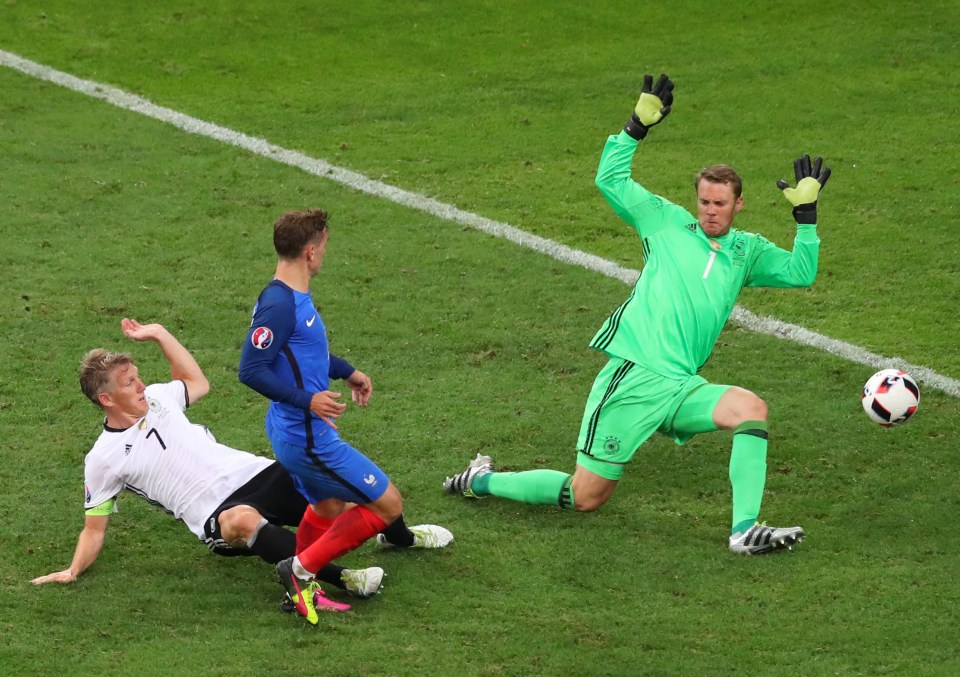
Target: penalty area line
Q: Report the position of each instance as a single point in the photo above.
(763, 325)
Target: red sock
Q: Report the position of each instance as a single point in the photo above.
(312, 526)
(350, 529)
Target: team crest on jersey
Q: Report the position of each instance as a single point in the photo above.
(611, 445)
(261, 338)
(157, 408)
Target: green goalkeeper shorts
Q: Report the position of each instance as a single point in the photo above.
(628, 404)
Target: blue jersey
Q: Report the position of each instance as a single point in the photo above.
(286, 358)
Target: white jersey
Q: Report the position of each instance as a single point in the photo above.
(168, 460)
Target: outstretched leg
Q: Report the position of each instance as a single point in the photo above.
(745, 414)
(715, 407)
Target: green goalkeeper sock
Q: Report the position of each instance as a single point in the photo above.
(748, 473)
(533, 487)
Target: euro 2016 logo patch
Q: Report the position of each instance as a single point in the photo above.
(611, 445)
(261, 338)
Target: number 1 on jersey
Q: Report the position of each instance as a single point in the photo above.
(706, 271)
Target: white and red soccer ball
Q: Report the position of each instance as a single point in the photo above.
(890, 397)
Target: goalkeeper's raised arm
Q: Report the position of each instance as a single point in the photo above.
(811, 178)
(776, 267)
(632, 202)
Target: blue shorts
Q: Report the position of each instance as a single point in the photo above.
(333, 469)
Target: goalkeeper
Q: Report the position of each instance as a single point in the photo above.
(661, 336)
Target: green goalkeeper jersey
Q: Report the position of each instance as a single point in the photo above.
(690, 282)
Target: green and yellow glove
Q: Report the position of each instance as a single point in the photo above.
(810, 181)
(653, 106)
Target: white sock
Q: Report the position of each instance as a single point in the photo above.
(299, 571)
(256, 532)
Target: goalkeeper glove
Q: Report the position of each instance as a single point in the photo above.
(810, 181)
(653, 106)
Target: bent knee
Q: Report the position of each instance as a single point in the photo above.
(590, 490)
(738, 405)
(588, 497)
(389, 506)
(754, 408)
(238, 524)
(589, 504)
(330, 508)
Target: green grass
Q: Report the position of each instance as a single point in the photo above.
(475, 345)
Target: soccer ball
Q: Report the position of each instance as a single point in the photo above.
(890, 397)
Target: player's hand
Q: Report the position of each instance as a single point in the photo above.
(811, 178)
(361, 387)
(65, 576)
(655, 100)
(326, 407)
(139, 332)
(653, 106)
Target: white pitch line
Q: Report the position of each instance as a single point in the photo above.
(560, 252)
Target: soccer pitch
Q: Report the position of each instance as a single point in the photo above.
(476, 344)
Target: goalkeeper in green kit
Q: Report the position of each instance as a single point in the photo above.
(660, 337)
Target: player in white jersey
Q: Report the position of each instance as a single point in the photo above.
(233, 500)
(167, 460)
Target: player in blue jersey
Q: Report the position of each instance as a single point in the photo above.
(286, 358)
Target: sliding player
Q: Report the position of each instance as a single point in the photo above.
(661, 336)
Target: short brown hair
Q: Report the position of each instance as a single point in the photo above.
(294, 230)
(720, 174)
(96, 369)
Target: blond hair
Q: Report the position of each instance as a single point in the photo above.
(96, 370)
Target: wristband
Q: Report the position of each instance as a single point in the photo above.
(635, 128)
(805, 213)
